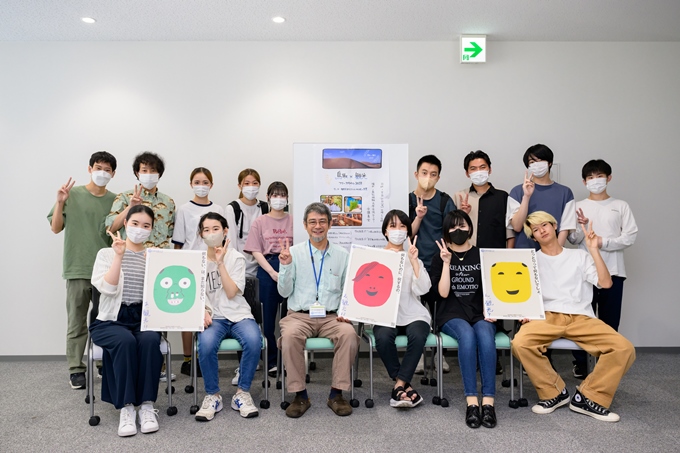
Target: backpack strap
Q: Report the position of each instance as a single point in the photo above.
(238, 215)
(264, 207)
(445, 197)
(412, 206)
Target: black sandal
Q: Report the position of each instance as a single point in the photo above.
(397, 395)
(411, 393)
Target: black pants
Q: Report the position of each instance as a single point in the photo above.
(416, 332)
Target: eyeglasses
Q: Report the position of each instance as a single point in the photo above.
(320, 222)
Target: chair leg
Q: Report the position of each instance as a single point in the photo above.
(94, 419)
(194, 372)
(172, 410)
(264, 404)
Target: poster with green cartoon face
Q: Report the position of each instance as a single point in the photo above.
(174, 290)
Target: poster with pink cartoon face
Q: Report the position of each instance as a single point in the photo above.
(373, 286)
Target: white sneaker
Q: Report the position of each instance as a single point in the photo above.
(234, 380)
(164, 377)
(243, 403)
(211, 405)
(445, 366)
(127, 426)
(148, 418)
(420, 368)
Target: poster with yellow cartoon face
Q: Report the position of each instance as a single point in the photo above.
(510, 283)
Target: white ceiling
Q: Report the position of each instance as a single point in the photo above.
(340, 20)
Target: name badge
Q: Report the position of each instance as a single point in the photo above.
(317, 311)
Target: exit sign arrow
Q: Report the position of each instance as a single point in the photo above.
(475, 49)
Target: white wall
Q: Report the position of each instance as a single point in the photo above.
(231, 105)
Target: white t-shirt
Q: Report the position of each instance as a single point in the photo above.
(186, 224)
(250, 213)
(613, 221)
(235, 309)
(410, 307)
(567, 281)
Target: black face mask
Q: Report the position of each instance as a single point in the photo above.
(459, 237)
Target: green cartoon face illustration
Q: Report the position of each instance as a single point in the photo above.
(175, 289)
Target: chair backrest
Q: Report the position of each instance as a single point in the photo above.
(252, 296)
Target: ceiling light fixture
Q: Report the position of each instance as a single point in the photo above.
(88, 20)
(278, 19)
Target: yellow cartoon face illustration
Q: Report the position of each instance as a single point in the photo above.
(511, 282)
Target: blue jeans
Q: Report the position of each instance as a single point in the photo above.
(271, 299)
(476, 341)
(246, 333)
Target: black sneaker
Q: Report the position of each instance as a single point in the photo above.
(583, 405)
(548, 406)
(580, 369)
(272, 372)
(77, 381)
(186, 369)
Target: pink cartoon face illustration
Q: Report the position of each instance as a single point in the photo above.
(373, 284)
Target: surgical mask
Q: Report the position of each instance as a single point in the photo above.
(250, 192)
(539, 169)
(214, 239)
(596, 185)
(479, 178)
(148, 180)
(101, 178)
(278, 203)
(459, 237)
(396, 237)
(137, 235)
(201, 191)
(426, 183)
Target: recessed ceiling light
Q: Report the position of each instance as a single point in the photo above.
(88, 20)
(278, 19)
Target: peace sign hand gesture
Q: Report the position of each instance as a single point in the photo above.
(528, 185)
(581, 218)
(221, 251)
(285, 257)
(64, 191)
(464, 205)
(118, 244)
(421, 210)
(593, 241)
(444, 252)
(412, 250)
(136, 196)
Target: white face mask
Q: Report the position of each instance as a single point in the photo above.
(101, 178)
(539, 169)
(201, 191)
(596, 185)
(278, 203)
(426, 183)
(214, 239)
(396, 237)
(250, 192)
(148, 180)
(137, 235)
(479, 178)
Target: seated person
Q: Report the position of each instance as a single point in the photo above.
(132, 360)
(567, 279)
(460, 315)
(312, 274)
(227, 315)
(413, 319)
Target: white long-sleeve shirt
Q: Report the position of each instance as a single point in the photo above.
(410, 307)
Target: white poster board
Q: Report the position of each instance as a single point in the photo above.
(359, 183)
(511, 286)
(372, 286)
(174, 290)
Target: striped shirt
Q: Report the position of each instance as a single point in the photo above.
(133, 267)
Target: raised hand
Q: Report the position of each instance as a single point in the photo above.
(136, 195)
(444, 252)
(580, 218)
(593, 241)
(464, 205)
(421, 210)
(412, 249)
(528, 185)
(64, 191)
(118, 244)
(220, 253)
(285, 256)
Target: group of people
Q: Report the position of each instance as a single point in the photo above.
(104, 258)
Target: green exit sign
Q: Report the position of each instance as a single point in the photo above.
(473, 49)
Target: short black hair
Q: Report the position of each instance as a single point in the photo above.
(212, 216)
(103, 157)
(430, 159)
(538, 151)
(150, 159)
(403, 218)
(472, 155)
(140, 208)
(596, 166)
(454, 219)
(277, 188)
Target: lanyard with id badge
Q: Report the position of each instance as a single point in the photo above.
(317, 310)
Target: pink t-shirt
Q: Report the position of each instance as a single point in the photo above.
(265, 233)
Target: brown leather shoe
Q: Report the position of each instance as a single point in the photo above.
(340, 406)
(298, 407)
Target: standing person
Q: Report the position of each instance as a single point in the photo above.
(80, 211)
(567, 280)
(460, 315)
(227, 315)
(312, 275)
(267, 233)
(413, 319)
(132, 359)
(427, 208)
(148, 168)
(186, 236)
(616, 229)
(539, 192)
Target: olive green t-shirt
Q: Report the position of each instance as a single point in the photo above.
(84, 232)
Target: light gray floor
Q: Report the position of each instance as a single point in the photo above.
(40, 412)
